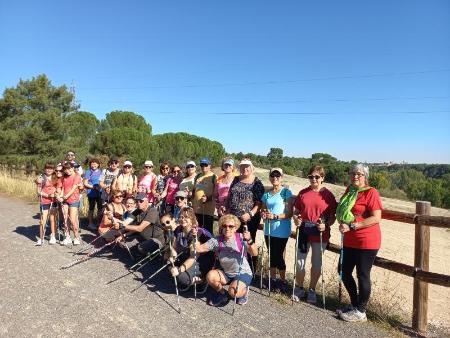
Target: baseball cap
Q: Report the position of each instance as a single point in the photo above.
(113, 159)
(245, 162)
(190, 163)
(180, 193)
(148, 163)
(229, 161)
(128, 163)
(141, 196)
(205, 161)
(280, 171)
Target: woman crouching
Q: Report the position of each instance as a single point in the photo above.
(231, 250)
(188, 269)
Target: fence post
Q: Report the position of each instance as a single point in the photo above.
(421, 261)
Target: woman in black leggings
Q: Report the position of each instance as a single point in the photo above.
(359, 214)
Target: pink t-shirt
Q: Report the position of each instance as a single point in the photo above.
(68, 183)
(146, 184)
(48, 188)
(222, 191)
(172, 188)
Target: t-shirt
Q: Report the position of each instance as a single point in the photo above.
(146, 184)
(222, 191)
(243, 196)
(93, 177)
(172, 188)
(107, 178)
(48, 187)
(204, 185)
(161, 183)
(229, 256)
(153, 230)
(68, 183)
(277, 204)
(314, 204)
(370, 237)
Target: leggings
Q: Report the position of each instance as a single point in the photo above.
(277, 246)
(363, 260)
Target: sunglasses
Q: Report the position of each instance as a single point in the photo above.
(228, 226)
(118, 196)
(275, 175)
(314, 176)
(176, 171)
(190, 166)
(166, 168)
(70, 154)
(140, 201)
(204, 165)
(227, 165)
(179, 198)
(127, 166)
(148, 166)
(114, 162)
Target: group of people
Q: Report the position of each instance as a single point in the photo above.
(174, 211)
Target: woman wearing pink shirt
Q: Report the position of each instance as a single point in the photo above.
(223, 185)
(147, 182)
(172, 186)
(70, 197)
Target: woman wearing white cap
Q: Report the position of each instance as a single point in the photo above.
(147, 182)
(223, 185)
(187, 184)
(277, 204)
(244, 198)
(126, 181)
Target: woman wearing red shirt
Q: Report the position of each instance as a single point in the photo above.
(362, 240)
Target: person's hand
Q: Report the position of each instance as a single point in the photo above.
(320, 225)
(246, 217)
(171, 259)
(297, 220)
(119, 239)
(246, 234)
(343, 228)
(118, 226)
(39, 180)
(269, 215)
(174, 271)
(194, 231)
(109, 214)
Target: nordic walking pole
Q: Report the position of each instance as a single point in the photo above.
(195, 268)
(261, 271)
(87, 256)
(270, 225)
(341, 259)
(174, 277)
(297, 232)
(321, 271)
(239, 271)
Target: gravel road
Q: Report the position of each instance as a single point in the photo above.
(40, 300)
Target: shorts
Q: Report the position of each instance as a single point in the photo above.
(47, 206)
(73, 205)
(243, 277)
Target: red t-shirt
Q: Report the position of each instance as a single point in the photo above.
(48, 188)
(313, 204)
(68, 183)
(366, 238)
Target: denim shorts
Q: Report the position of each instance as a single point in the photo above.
(46, 206)
(243, 277)
(73, 205)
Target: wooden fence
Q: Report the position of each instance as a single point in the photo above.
(420, 271)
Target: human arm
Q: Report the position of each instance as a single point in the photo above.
(374, 218)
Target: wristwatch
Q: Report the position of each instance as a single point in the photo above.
(276, 217)
(352, 226)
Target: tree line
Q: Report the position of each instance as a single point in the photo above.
(40, 122)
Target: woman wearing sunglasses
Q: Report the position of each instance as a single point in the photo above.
(187, 270)
(172, 186)
(126, 181)
(316, 207)
(277, 204)
(187, 184)
(147, 182)
(223, 185)
(231, 250)
(114, 209)
(359, 215)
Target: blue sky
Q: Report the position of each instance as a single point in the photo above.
(360, 80)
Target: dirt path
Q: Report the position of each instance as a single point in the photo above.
(38, 299)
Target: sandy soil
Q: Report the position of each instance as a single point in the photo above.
(398, 245)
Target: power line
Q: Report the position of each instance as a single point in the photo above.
(271, 82)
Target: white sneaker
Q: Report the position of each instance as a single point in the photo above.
(76, 241)
(346, 308)
(39, 242)
(311, 298)
(353, 316)
(299, 293)
(67, 241)
(52, 239)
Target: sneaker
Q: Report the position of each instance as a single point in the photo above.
(243, 300)
(92, 227)
(273, 284)
(219, 299)
(299, 293)
(346, 308)
(76, 241)
(52, 240)
(67, 241)
(39, 242)
(311, 297)
(354, 316)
